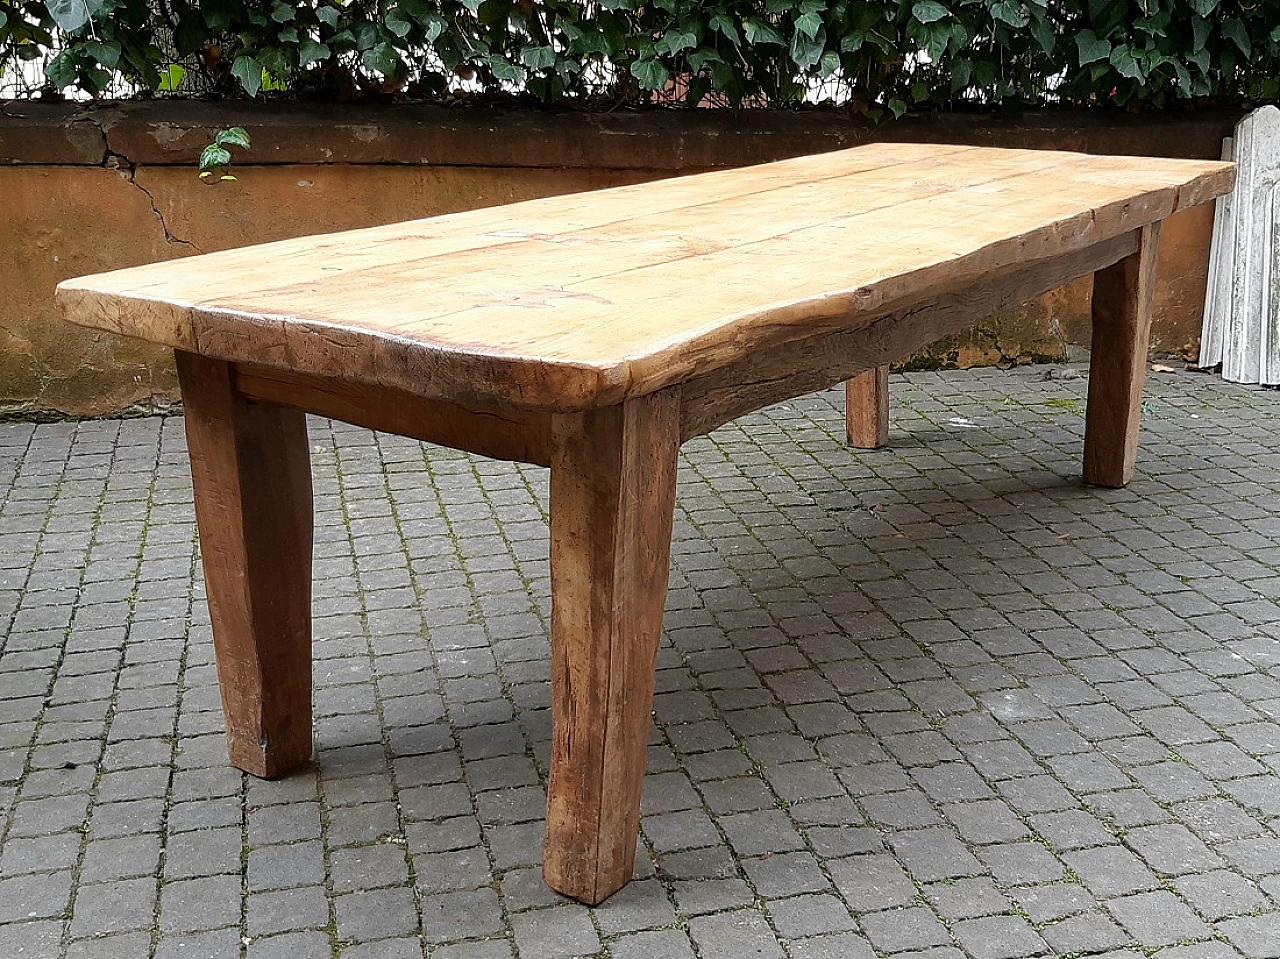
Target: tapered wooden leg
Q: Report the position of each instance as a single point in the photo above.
(1118, 363)
(251, 471)
(613, 476)
(866, 408)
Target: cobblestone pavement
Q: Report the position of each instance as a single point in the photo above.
(936, 700)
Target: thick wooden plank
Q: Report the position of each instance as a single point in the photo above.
(613, 479)
(506, 434)
(251, 470)
(1122, 296)
(581, 301)
(866, 409)
(805, 366)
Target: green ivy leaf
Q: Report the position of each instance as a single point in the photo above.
(218, 14)
(61, 70)
(1126, 63)
(70, 15)
(233, 137)
(1234, 30)
(538, 58)
(505, 70)
(382, 58)
(4, 19)
(1010, 12)
(675, 40)
(927, 11)
(213, 158)
(725, 25)
(701, 59)
(807, 51)
(1092, 47)
(108, 54)
(1204, 7)
(328, 15)
(809, 24)
(171, 78)
(249, 72)
(651, 74)
(1042, 30)
(399, 22)
(309, 51)
(433, 27)
(1200, 29)
(757, 31)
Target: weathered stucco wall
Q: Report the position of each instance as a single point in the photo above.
(87, 190)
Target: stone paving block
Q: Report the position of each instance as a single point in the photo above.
(786, 874)
(998, 937)
(293, 945)
(840, 946)
(1086, 933)
(190, 905)
(1111, 871)
(698, 896)
(301, 907)
(898, 930)
(1157, 918)
(966, 898)
(729, 935)
(214, 944)
(872, 882)
(1257, 937)
(663, 944)
(555, 933)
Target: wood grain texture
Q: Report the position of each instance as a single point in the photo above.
(251, 471)
(866, 409)
(523, 436)
(1118, 363)
(756, 380)
(613, 478)
(582, 301)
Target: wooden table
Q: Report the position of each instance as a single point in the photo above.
(594, 334)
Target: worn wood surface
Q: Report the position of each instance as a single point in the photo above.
(866, 409)
(251, 471)
(1118, 363)
(580, 301)
(613, 482)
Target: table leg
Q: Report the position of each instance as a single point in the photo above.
(1122, 296)
(251, 471)
(866, 408)
(613, 476)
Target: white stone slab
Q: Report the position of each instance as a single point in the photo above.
(1242, 303)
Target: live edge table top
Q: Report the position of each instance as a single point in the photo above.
(583, 300)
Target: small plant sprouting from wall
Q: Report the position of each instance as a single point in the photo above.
(215, 159)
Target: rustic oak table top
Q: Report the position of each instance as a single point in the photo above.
(583, 300)
(593, 334)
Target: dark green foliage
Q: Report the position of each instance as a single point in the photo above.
(880, 57)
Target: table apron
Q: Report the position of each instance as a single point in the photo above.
(798, 367)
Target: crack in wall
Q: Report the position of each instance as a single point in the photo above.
(113, 160)
(121, 164)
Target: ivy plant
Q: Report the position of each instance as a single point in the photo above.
(879, 57)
